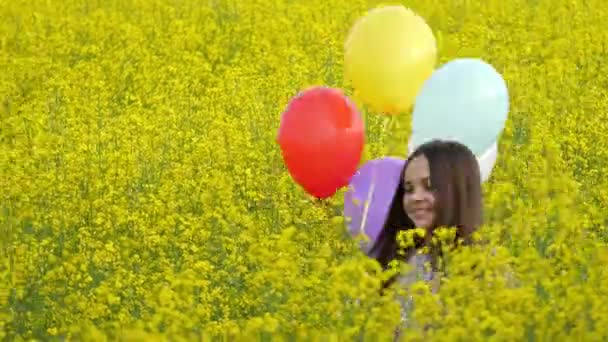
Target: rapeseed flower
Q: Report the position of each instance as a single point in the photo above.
(144, 197)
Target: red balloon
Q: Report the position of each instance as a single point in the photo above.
(321, 137)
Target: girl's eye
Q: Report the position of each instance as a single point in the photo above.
(428, 185)
(408, 188)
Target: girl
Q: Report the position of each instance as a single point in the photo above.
(440, 186)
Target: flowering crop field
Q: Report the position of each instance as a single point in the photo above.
(144, 197)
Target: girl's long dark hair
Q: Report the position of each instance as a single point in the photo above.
(455, 178)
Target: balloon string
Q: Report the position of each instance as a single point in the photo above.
(387, 125)
(368, 203)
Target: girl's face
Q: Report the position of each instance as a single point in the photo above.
(419, 199)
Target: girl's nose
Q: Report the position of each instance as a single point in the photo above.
(418, 194)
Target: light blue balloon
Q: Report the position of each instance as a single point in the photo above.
(465, 100)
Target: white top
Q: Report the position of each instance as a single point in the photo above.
(418, 273)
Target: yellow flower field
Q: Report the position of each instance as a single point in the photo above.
(144, 197)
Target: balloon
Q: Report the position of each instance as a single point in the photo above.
(389, 53)
(486, 160)
(368, 200)
(465, 99)
(321, 136)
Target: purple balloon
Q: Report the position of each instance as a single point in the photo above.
(383, 174)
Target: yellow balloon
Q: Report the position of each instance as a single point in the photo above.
(389, 53)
